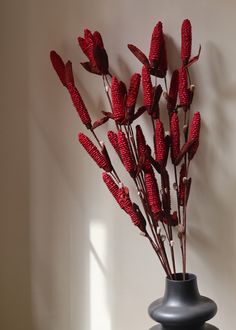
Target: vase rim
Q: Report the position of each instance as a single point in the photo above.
(189, 277)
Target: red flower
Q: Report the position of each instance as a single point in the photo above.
(137, 218)
(118, 99)
(184, 95)
(133, 90)
(92, 150)
(125, 152)
(93, 48)
(79, 105)
(122, 197)
(152, 192)
(175, 137)
(147, 88)
(156, 46)
(141, 143)
(186, 41)
(173, 91)
(160, 143)
(113, 138)
(194, 134)
(111, 185)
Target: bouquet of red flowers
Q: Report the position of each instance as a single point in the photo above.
(147, 165)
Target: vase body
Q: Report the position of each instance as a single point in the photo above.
(182, 307)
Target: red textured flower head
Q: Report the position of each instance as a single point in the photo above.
(186, 41)
(118, 96)
(93, 48)
(194, 134)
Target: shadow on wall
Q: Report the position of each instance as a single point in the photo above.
(15, 299)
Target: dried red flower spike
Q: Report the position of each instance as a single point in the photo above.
(153, 196)
(194, 134)
(58, 66)
(136, 219)
(175, 137)
(141, 143)
(113, 138)
(184, 95)
(173, 91)
(111, 185)
(133, 90)
(186, 41)
(121, 195)
(125, 152)
(160, 143)
(147, 88)
(142, 222)
(182, 185)
(124, 199)
(117, 96)
(131, 209)
(93, 152)
(79, 105)
(155, 53)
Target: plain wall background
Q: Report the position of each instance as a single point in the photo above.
(70, 259)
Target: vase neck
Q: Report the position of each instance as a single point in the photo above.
(180, 290)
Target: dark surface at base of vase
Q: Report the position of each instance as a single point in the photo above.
(205, 327)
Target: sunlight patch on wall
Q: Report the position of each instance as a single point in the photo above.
(99, 309)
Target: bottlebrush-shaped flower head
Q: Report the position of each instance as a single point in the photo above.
(147, 88)
(160, 143)
(186, 41)
(133, 90)
(137, 218)
(93, 48)
(118, 94)
(126, 154)
(141, 142)
(94, 153)
(157, 54)
(111, 185)
(121, 195)
(156, 44)
(152, 189)
(124, 199)
(175, 137)
(113, 138)
(184, 94)
(194, 134)
(79, 105)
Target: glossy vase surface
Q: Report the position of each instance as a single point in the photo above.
(182, 307)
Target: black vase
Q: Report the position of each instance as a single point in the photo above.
(182, 307)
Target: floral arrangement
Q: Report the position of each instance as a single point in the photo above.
(146, 165)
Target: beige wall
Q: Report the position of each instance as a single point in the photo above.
(70, 260)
